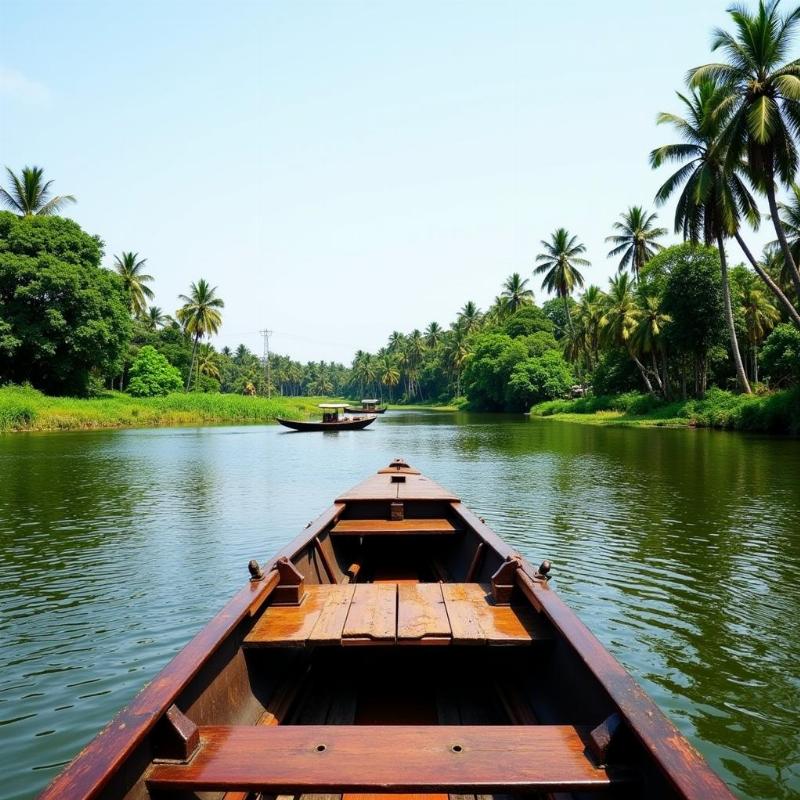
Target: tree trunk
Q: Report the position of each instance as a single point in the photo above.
(655, 372)
(793, 313)
(569, 317)
(741, 375)
(785, 249)
(191, 366)
(755, 362)
(643, 372)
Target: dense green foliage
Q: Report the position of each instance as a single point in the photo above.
(771, 413)
(152, 375)
(62, 317)
(23, 408)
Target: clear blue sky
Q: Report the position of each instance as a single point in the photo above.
(342, 169)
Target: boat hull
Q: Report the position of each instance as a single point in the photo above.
(396, 645)
(355, 424)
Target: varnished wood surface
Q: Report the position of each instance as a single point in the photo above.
(475, 619)
(381, 487)
(421, 614)
(365, 527)
(408, 612)
(324, 758)
(372, 616)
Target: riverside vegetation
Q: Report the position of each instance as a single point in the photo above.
(696, 337)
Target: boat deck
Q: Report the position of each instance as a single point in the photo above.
(397, 613)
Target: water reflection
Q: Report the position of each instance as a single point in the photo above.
(680, 549)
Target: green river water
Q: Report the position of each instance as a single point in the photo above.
(679, 548)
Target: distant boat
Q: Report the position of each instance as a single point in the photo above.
(398, 645)
(367, 407)
(332, 420)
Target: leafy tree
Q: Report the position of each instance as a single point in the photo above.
(528, 319)
(131, 269)
(635, 239)
(536, 379)
(559, 264)
(693, 298)
(780, 356)
(559, 313)
(762, 110)
(488, 369)
(63, 316)
(714, 197)
(516, 292)
(200, 315)
(152, 375)
(30, 196)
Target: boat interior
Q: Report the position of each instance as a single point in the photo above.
(397, 649)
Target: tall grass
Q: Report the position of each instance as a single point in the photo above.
(25, 409)
(777, 412)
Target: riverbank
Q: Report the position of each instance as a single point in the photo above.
(421, 407)
(25, 409)
(778, 412)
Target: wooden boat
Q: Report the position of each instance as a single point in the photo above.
(367, 407)
(397, 646)
(333, 419)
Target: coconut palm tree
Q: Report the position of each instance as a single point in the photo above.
(559, 264)
(469, 318)
(200, 315)
(590, 311)
(29, 195)
(154, 318)
(714, 197)
(208, 362)
(647, 337)
(130, 268)
(389, 373)
(762, 108)
(433, 335)
(619, 321)
(635, 239)
(498, 311)
(760, 317)
(516, 292)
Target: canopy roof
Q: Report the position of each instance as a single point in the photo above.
(333, 405)
(366, 400)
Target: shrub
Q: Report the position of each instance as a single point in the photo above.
(543, 378)
(780, 356)
(152, 375)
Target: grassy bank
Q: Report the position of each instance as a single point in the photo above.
(420, 407)
(24, 409)
(778, 412)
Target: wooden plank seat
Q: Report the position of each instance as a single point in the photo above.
(364, 758)
(410, 525)
(388, 613)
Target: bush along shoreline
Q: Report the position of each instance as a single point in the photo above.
(26, 409)
(776, 412)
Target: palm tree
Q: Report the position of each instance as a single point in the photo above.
(762, 107)
(200, 315)
(389, 374)
(559, 264)
(131, 269)
(208, 362)
(498, 311)
(154, 318)
(714, 197)
(30, 196)
(635, 239)
(469, 318)
(648, 335)
(516, 292)
(433, 335)
(590, 311)
(619, 320)
(760, 317)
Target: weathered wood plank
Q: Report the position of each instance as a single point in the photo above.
(330, 623)
(476, 619)
(421, 614)
(353, 758)
(289, 625)
(372, 616)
